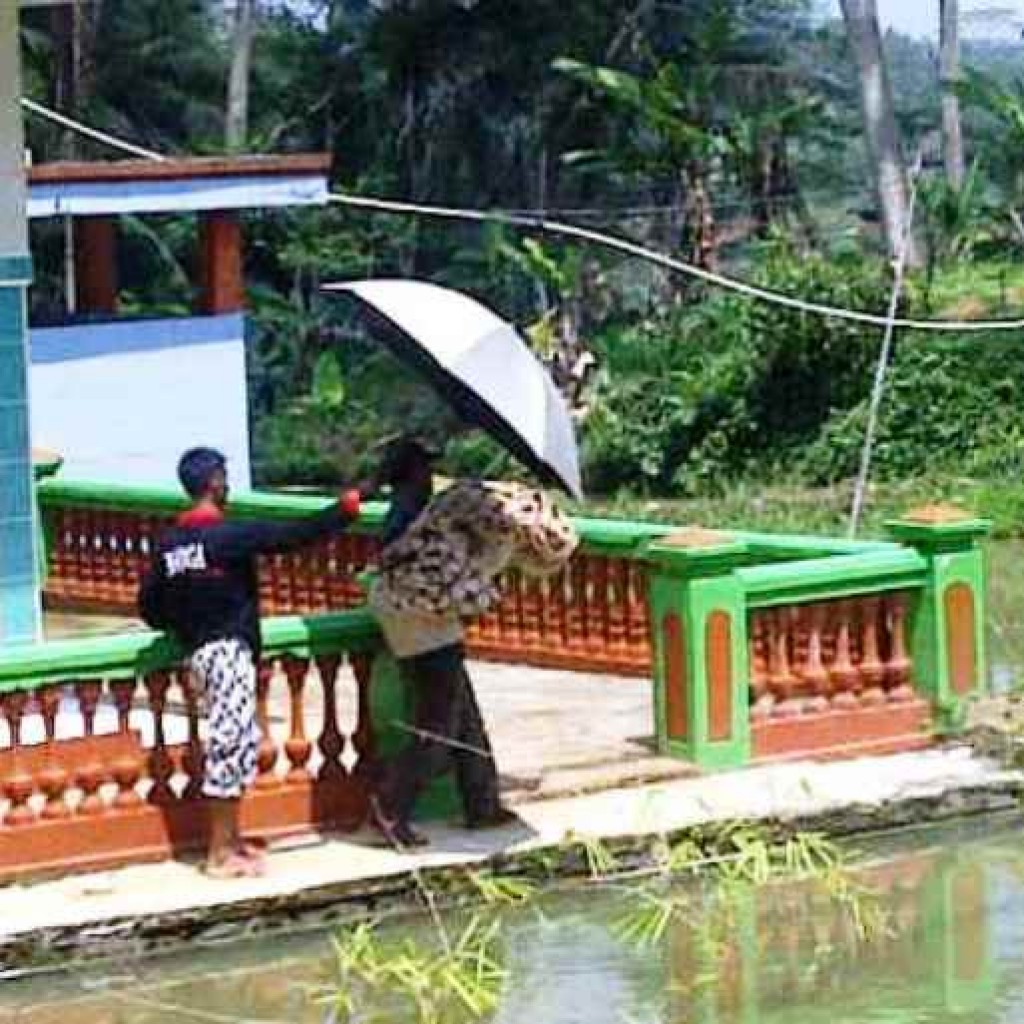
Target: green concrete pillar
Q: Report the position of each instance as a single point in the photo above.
(699, 629)
(20, 614)
(947, 626)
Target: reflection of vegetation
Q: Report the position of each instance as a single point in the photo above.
(698, 883)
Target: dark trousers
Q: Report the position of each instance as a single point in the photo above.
(446, 710)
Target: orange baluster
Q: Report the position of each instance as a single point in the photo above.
(782, 681)
(814, 674)
(331, 743)
(872, 671)
(297, 747)
(161, 767)
(102, 574)
(17, 785)
(266, 757)
(638, 635)
(317, 566)
(53, 778)
(601, 608)
(194, 761)
(618, 594)
(763, 700)
(899, 667)
(127, 770)
(363, 739)
(91, 775)
(843, 673)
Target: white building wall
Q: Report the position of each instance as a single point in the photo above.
(121, 401)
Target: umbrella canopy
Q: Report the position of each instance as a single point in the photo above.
(480, 366)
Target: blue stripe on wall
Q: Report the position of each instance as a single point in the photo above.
(87, 341)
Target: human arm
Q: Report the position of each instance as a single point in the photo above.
(243, 540)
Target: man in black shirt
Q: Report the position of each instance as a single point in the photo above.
(202, 588)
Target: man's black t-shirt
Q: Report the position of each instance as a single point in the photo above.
(202, 583)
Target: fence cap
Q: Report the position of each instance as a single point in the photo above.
(939, 524)
(698, 551)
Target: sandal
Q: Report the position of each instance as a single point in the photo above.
(399, 834)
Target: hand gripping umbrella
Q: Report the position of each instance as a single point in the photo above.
(480, 366)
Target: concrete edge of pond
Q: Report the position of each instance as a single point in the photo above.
(148, 909)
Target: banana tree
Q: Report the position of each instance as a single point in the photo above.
(669, 136)
(1004, 103)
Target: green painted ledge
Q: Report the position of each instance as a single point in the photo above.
(826, 579)
(617, 537)
(130, 655)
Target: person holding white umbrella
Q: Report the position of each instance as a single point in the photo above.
(439, 564)
(449, 732)
(442, 555)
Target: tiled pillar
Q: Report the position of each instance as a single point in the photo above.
(20, 616)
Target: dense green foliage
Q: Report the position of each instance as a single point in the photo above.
(730, 137)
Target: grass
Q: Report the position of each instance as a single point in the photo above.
(795, 509)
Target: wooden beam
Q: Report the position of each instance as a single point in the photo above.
(221, 289)
(95, 265)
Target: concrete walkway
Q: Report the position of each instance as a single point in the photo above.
(135, 907)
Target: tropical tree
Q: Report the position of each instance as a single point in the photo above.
(883, 142)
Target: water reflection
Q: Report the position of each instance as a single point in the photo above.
(1006, 613)
(955, 954)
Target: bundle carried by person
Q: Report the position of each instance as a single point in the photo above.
(447, 562)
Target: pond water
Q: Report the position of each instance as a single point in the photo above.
(954, 953)
(1006, 613)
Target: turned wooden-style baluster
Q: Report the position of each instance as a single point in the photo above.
(161, 768)
(842, 672)
(898, 668)
(512, 584)
(530, 601)
(601, 608)
(637, 627)
(55, 521)
(580, 611)
(872, 671)
(331, 741)
(319, 563)
(77, 570)
(297, 747)
(53, 778)
(618, 591)
(508, 611)
(559, 596)
(781, 680)
(761, 696)
(17, 785)
(92, 774)
(265, 577)
(301, 565)
(814, 674)
(102, 575)
(127, 769)
(266, 757)
(194, 760)
(363, 740)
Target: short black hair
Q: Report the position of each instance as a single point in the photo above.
(401, 456)
(196, 468)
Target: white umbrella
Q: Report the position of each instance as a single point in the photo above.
(480, 366)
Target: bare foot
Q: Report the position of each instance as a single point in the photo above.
(253, 850)
(232, 866)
